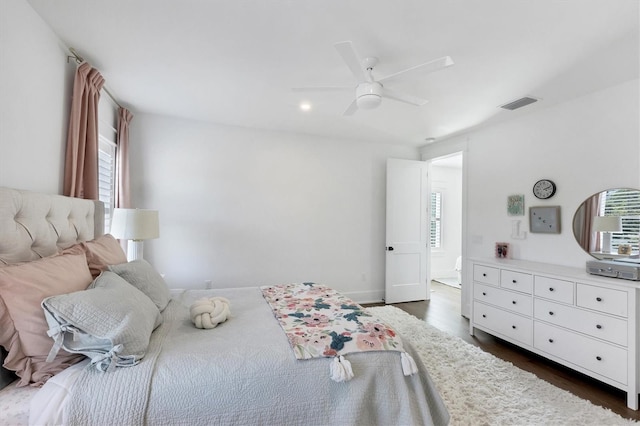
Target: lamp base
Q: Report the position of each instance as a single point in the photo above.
(134, 249)
(606, 242)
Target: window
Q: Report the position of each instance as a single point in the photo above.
(435, 237)
(623, 203)
(107, 135)
(106, 178)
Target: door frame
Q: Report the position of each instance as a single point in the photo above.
(428, 154)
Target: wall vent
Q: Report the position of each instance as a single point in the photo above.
(519, 103)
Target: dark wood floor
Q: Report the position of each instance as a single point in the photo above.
(443, 312)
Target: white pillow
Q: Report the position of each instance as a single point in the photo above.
(110, 322)
(140, 274)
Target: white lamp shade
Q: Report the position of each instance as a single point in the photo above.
(135, 224)
(607, 224)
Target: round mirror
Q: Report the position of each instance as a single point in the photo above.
(607, 224)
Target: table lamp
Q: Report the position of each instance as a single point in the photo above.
(607, 225)
(135, 225)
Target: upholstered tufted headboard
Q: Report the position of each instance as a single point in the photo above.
(35, 225)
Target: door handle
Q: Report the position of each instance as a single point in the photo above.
(390, 248)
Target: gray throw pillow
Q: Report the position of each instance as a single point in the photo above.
(140, 274)
(110, 322)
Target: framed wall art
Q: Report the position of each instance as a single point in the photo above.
(515, 205)
(544, 220)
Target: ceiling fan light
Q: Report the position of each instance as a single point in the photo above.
(369, 101)
(368, 95)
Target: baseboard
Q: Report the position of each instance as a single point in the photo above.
(447, 273)
(362, 297)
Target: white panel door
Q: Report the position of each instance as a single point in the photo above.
(406, 241)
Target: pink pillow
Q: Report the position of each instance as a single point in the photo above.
(101, 252)
(23, 328)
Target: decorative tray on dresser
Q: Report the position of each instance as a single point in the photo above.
(582, 321)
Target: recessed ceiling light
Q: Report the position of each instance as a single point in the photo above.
(430, 140)
(305, 106)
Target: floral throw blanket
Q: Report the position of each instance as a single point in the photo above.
(320, 322)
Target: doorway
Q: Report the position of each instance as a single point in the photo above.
(445, 223)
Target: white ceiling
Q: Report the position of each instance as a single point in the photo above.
(235, 61)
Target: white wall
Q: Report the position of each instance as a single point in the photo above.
(245, 207)
(448, 181)
(586, 145)
(35, 87)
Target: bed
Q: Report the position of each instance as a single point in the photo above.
(242, 371)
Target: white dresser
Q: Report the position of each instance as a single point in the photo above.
(585, 322)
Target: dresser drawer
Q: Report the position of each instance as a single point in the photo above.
(516, 281)
(504, 323)
(602, 299)
(592, 323)
(554, 289)
(486, 274)
(596, 356)
(509, 300)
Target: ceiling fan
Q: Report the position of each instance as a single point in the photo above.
(370, 91)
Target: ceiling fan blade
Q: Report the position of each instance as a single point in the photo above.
(322, 89)
(353, 107)
(350, 57)
(407, 99)
(428, 67)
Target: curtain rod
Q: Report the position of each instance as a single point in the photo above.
(79, 59)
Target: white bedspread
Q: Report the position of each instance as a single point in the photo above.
(244, 372)
(14, 404)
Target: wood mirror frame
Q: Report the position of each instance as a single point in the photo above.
(623, 202)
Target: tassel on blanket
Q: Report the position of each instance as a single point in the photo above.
(341, 369)
(208, 312)
(409, 366)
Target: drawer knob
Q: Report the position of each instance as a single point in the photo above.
(513, 301)
(598, 326)
(599, 358)
(484, 316)
(550, 340)
(551, 289)
(484, 293)
(513, 281)
(599, 299)
(484, 275)
(513, 326)
(550, 312)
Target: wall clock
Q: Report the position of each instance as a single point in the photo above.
(544, 188)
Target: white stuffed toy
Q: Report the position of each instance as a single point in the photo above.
(208, 312)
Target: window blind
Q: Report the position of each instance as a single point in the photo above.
(106, 178)
(435, 237)
(107, 137)
(623, 203)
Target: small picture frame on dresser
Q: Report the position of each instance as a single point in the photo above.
(502, 250)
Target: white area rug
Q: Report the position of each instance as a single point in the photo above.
(480, 389)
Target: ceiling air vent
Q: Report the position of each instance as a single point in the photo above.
(519, 103)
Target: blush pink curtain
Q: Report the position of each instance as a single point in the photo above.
(598, 203)
(588, 239)
(123, 196)
(81, 162)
